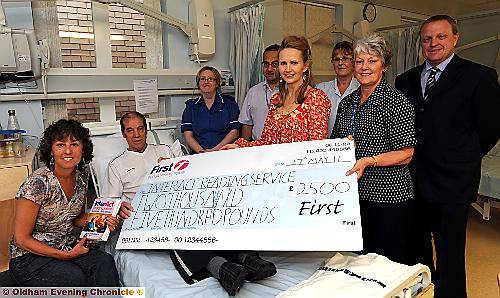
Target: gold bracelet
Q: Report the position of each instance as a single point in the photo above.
(375, 163)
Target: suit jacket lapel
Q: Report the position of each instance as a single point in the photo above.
(415, 83)
(447, 79)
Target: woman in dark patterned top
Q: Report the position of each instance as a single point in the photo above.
(50, 203)
(381, 121)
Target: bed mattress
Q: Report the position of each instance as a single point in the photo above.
(155, 271)
(490, 177)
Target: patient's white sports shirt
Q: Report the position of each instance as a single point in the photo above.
(127, 171)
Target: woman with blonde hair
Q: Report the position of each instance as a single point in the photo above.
(298, 112)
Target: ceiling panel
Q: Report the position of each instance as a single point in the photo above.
(431, 7)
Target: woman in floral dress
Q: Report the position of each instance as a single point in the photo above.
(298, 112)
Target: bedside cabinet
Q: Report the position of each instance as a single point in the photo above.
(13, 172)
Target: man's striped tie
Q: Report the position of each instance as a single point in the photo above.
(431, 81)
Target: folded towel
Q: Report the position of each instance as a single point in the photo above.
(369, 275)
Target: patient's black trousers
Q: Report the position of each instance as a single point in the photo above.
(191, 264)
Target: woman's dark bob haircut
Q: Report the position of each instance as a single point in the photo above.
(59, 131)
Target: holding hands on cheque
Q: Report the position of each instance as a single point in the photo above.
(399, 157)
(126, 210)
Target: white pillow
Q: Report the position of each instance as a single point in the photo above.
(105, 149)
(176, 148)
(165, 136)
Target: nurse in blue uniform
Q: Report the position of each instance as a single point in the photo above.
(211, 120)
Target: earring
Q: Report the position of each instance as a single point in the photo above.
(52, 160)
(304, 77)
(82, 163)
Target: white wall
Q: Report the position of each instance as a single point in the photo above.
(29, 116)
(18, 14)
(273, 22)
(476, 29)
(353, 13)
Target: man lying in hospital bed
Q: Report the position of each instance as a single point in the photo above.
(155, 271)
(125, 174)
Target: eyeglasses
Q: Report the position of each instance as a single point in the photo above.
(272, 64)
(370, 61)
(344, 59)
(207, 79)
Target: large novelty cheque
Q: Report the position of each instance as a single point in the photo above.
(292, 196)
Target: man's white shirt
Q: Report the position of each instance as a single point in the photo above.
(127, 171)
(332, 90)
(256, 106)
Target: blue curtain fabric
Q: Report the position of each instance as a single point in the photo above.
(246, 48)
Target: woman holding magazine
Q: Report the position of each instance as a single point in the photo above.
(50, 203)
(298, 112)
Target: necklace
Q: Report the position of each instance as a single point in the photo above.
(286, 110)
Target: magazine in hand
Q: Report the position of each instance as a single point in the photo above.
(96, 227)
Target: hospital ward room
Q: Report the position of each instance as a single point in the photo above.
(250, 148)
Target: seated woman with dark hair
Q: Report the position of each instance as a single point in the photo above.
(50, 203)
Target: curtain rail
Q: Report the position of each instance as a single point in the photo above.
(483, 14)
(243, 5)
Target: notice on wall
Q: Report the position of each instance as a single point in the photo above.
(292, 197)
(146, 96)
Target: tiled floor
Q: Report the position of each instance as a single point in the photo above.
(483, 255)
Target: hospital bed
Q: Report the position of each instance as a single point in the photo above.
(154, 270)
(489, 188)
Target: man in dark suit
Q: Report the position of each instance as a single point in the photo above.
(457, 103)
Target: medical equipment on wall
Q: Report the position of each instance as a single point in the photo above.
(21, 57)
(200, 29)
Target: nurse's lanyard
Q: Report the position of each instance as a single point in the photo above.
(356, 109)
(267, 99)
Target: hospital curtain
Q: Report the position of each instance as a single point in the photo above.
(246, 48)
(405, 46)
